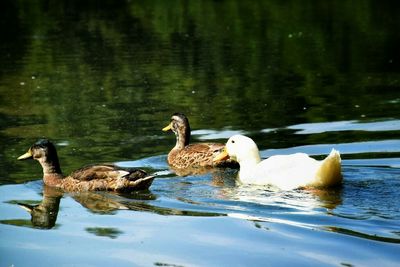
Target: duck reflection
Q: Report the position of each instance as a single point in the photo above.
(98, 202)
(328, 198)
(192, 171)
(44, 215)
(219, 176)
(112, 233)
(302, 200)
(302, 203)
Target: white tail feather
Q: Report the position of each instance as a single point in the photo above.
(330, 171)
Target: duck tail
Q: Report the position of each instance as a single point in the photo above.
(142, 183)
(330, 171)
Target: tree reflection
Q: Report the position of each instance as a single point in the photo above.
(126, 64)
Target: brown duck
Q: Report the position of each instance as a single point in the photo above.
(185, 155)
(90, 178)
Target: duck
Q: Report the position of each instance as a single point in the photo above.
(96, 177)
(285, 172)
(185, 155)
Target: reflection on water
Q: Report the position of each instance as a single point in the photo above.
(385, 146)
(352, 211)
(314, 128)
(44, 214)
(106, 232)
(362, 235)
(98, 202)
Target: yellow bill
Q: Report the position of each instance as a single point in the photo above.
(27, 155)
(223, 155)
(167, 128)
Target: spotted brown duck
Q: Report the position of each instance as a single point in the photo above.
(90, 178)
(185, 155)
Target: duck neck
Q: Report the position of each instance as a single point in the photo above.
(249, 162)
(248, 165)
(182, 137)
(52, 174)
(250, 159)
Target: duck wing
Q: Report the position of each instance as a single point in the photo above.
(107, 177)
(300, 170)
(286, 171)
(204, 148)
(98, 172)
(200, 154)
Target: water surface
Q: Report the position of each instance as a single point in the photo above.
(100, 79)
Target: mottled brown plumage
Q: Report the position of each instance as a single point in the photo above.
(90, 178)
(185, 155)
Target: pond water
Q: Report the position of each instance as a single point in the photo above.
(100, 79)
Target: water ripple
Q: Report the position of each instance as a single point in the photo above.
(381, 146)
(352, 125)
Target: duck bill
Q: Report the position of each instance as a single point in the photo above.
(27, 155)
(221, 156)
(26, 207)
(167, 128)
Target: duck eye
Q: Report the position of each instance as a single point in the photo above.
(232, 141)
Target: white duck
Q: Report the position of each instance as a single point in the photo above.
(283, 171)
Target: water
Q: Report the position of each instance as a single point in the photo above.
(101, 80)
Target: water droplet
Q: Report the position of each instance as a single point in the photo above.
(22, 83)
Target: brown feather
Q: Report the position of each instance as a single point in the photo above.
(185, 155)
(94, 172)
(89, 178)
(197, 155)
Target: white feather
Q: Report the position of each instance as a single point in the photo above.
(283, 171)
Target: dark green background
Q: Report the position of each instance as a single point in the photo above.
(103, 77)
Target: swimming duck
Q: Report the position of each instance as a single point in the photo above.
(185, 155)
(90, 178)
(283, 171)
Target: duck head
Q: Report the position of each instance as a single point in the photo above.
(180, 126)
(241, 149)
(44, 152)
